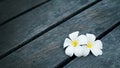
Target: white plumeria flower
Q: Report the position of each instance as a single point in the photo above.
(90, 44)
(73, 45)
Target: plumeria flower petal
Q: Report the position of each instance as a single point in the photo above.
(96, 51)
(90, 37)
(73, 45)
(69, 51)
(74, 35)
(92, 45)
(83, 39)
(86, 51)
(67, 42)
(98, 43)
(79, 51)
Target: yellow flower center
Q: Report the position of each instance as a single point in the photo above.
(74, 43)
(89, 45)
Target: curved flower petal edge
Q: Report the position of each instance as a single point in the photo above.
(81, 45)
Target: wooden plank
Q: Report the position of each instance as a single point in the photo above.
(110, 57)
(47, 51)
(11, 8)
(21, 29)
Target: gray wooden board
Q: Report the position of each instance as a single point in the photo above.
(11, 8)
(110, 57)
(47, 50)
(36, 21)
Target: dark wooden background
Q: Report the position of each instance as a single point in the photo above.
(32, 32)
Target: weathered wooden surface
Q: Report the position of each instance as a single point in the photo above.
(28, 25)
(47, 50)
(110, 57)
(9, 9)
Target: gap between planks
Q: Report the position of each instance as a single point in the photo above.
(24, 12)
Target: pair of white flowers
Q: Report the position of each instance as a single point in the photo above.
(82, 45)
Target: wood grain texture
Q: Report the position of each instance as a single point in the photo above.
(28, 25)
(110, 57)
(9, 9)
(47, 51)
